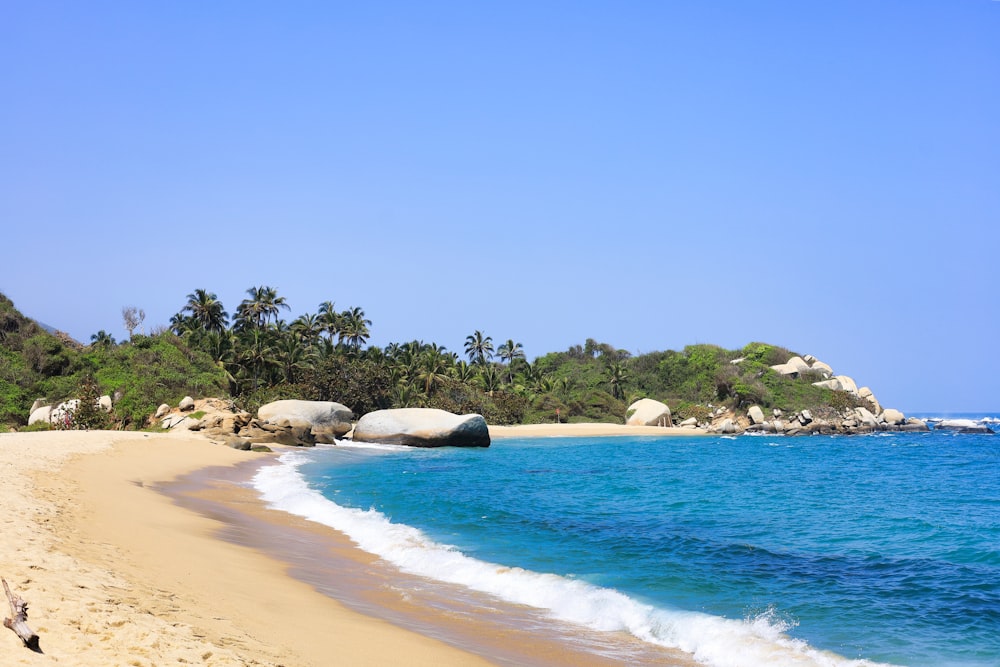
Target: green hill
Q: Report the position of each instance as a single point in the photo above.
(259, 357)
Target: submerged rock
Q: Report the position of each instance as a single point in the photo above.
(963, 426)
(422, 427)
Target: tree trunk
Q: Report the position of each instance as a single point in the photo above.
(19, 622)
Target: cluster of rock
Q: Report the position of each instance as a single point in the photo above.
(62, 412)
(856, 420)
(648, 412)
(305, 423)
(293, 423)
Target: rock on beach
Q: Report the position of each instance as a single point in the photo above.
(422, 427)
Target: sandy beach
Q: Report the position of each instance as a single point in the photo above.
(116, 572)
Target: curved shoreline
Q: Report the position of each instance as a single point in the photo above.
(117, 572)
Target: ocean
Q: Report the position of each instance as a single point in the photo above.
(748, 550)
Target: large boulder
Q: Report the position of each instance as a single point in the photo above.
(647, 412)
(893, 417)
(839, 383)
(755, 414)
(186, 404)
(327, 420)
(422, 427)
(866, 394)
(962, 426)
(40, 414)
(865, 418)
(820, 367)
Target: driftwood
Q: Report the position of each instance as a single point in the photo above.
(19, 622)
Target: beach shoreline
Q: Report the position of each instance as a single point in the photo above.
(589, 430)
(117, 572)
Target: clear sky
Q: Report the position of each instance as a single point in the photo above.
(819, 175)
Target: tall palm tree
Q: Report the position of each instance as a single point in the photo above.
(354, 328)
(307, 327)
(479, 348)
(207, 310)
(508, 352)
(263, 304)
(330, 319)
(616, 376)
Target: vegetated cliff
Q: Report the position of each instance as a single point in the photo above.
(140, 374)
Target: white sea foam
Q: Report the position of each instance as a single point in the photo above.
(717, 641)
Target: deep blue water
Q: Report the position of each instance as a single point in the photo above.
(882, 547)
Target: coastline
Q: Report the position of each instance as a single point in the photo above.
(116, 571)
(589, 430)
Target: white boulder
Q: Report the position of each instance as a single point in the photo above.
(894, 417)
(422, 427)
(104, 402)
(40, 414)
(186, 404)
(865, 418)
(647, 412)
(755, 414)
(327, 420)
(162, 410)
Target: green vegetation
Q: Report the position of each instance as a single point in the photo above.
(257, 357)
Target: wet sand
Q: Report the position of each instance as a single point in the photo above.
(118, 573)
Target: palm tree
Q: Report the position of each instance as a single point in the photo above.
(207, 310)
(354, 328)
(463, 372)
(263, 304)
(616, 376)
(489, 379)
(432, 370)
(479, 348)
(508, 352)
(102, 339)
(292, 356)
(307, 327)
(330, 319)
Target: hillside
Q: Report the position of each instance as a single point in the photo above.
(259, 357)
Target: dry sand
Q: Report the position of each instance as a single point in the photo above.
(116, 574)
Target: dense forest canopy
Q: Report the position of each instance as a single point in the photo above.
(254, 355)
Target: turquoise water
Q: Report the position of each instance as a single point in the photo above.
(749, 550)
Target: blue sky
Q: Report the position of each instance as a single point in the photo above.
(823, 176)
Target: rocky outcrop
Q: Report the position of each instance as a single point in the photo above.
(963, 426)
(186, 404)
(647, 412)
(893, 417)
(755, 414)
(223, 421)
(422, 427)
(326, 420)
